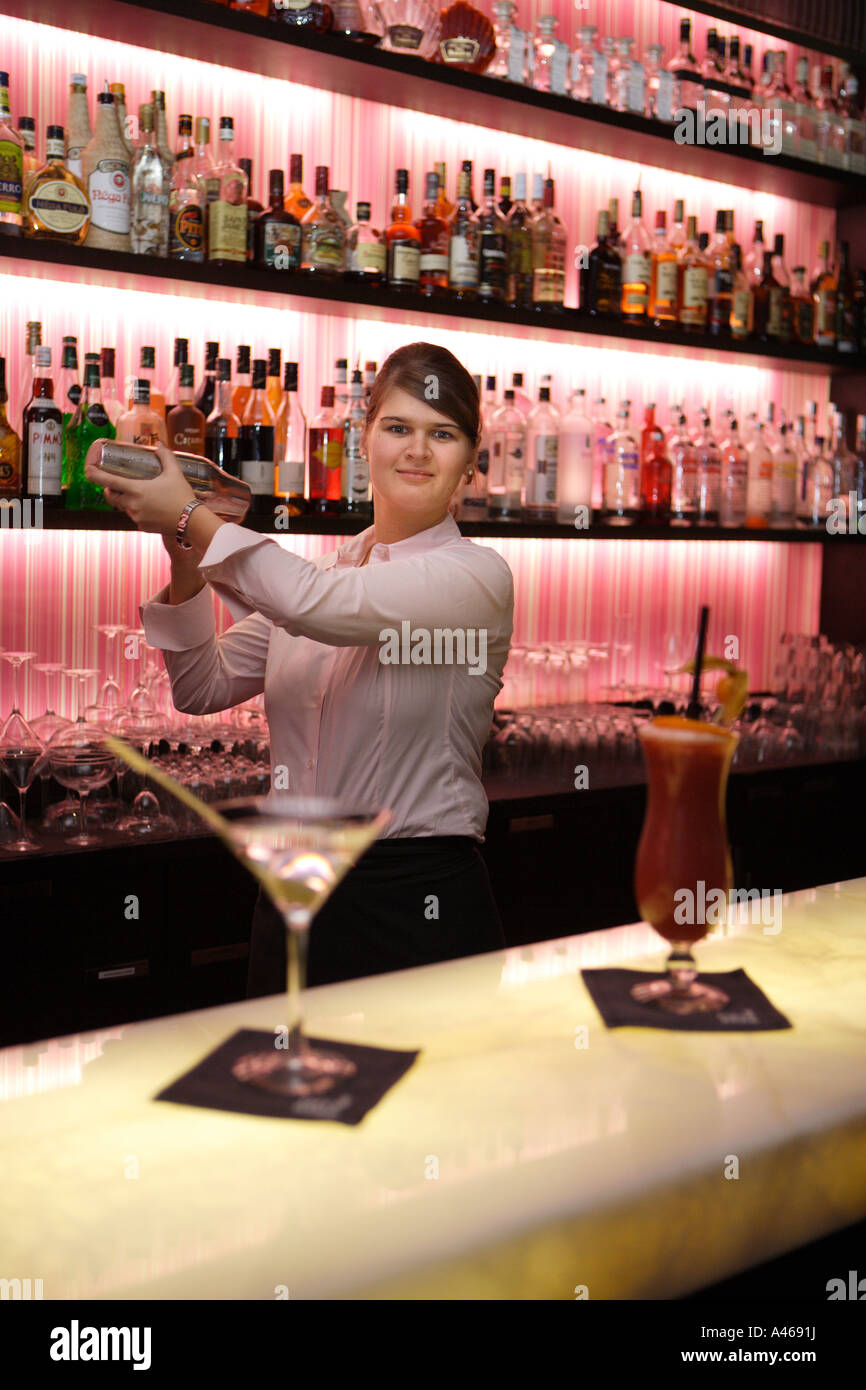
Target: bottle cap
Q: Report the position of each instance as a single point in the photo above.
(227, 128)
(290, 376)
(141, 392)
(224, 369)
(181, 351)
(247, 166)
(362, 210)
(91, 373)
(244, 354)
(108, 362)
(327, 397)
(401, 182)
(274, 358)
(260, 374)
(202, 130)
(491, 383)
(520, 188)
(145, 117)
(43, 357)
(147, 362)
(431, 188)
(187, 375)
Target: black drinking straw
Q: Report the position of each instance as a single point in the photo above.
(695, 709)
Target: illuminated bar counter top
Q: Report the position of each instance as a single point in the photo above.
(510, 1162)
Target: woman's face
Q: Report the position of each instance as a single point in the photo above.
(417, 455)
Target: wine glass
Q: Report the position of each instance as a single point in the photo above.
(79, 759)
(623, 643)
(22, 753)
(301, 848)
(109, 692)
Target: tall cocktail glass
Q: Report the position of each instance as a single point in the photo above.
(683, 860)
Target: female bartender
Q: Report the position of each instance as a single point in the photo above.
(344, 721)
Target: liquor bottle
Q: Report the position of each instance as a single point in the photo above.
(689, 87)
(860, 450)
(276, 233)
(662, 309)
(325, 457)
(290, 446)
(506, 202)
(601, 276)
(187, 202)
(753, 261)
(113, 406)
(467, 40)
(222, 431)
(708, 475)
(473, 498)
(820, 489)
(89, 422)
(720, 281)
(768, 303)
(78, 129)
(274, 390)
(105, 175)
(576, 460)
(341, 389)
(684, 474)
(802, 309)
(402, 239)
(254, 208)
(185, 423)
(370, 370)
(803, 452)
(783, 493)
(507, 461)
(677, 238)
(824, 297)
(297, 202)
(411, 27)
(846, 327)
(463, 246)
(543, 49)
(355, 475)
(829, 124)
(636, 265)
(741, 92)
(141, 424)
(150, 185)
(492, 253)
(68, 397)
(614, 235)
(548, 255)
(202, 164)
(185, 148)
(584, 63)
(243, 387)
(124, 125)
(759, 490)
(771, 437)
(10, 446)
(804, 113)
(147, 372)
(227, 212)
(157, 102)
(602, 430)
(11, 167)
(42, 436)
(692, 282)
(366, 253)
(172, 387)
(621, 500)
(29, 162)
(434, 234)
(518, 234)
(502, 62)
(312, 15)
(742, 299)
(206, 398)
(444, 208)
(349, 22)
(257, 443)
(843, 462)
(323, 234)
(782, 278)
(542, 428)
(656, 474)
(521, 400)
(734, 479)
(32, 340)
(56, 207)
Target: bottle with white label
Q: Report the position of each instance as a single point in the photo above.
(290, 445)
(576, 460)
(465, 244)
(257, 443)
(542, 459)
(42, 436)
(105, 175)
(708, 475)
(507, 462)
(735, 474)
(78, 128)
(355, 486)
(759, 490)
(150, 185)
(636, 265)
(819, 488)
(784, 488)
(227, 211)
(11, 166)
(621, 499)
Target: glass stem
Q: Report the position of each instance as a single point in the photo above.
(22, 812)
(682, 968)
(82, 806)
(297, 940)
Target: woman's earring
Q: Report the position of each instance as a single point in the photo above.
(470, 474)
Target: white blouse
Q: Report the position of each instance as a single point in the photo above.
(310, 634)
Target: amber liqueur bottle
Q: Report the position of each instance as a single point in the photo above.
(433, 262)
(402, 239)
(601, 277)
(303, 14)
(467, 39)
(10, 446)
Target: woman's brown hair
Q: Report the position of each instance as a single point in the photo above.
(433, 375)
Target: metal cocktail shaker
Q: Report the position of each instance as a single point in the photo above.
(226, 496)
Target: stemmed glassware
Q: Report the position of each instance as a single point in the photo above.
(110, 694)
(79, 759)
(45, 726)
(22, 753)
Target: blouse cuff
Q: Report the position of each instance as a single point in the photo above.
(178, 627)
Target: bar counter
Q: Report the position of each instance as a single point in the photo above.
(510, 1162)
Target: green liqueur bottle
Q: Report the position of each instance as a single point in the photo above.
(89, 422)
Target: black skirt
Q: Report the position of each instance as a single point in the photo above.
(407, 902)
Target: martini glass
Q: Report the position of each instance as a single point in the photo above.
(109, 693)
(22, 753)
(300, 848)
(45, 726)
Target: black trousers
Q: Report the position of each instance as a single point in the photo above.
(407, 902)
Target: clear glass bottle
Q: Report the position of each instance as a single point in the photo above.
(636, 265)
(202, 164)
(141, 424)
(257, 443)
(89, 422)
(804, 113)
(659, 104)
(227, 211)
(355, 484)
(548, 255)
(542, 459)
(113, 406)
(689, 86)
(150, 187)
(741, 93)
(105, 175)
(708, 475)
(464, 244)
(366, 254)
(628, 88)
(820, 489)
(290, 446)
(160, 125)
(576, 459)
(583, 63)
(434, 233)
(222, 432)
(602, 433)
(323, 234)
(784, 486)
(492, 246)
(829, 123)
(518, 232)
(187, 202)
(843, 462)
(57, 208)
(472, 497)
(684, 474)
(621, 499)
(693, 282)
(185, 423)
(543, 48)
(734, 479)
(402, 239)
(504, 14)
(759, 490)
(507, 462)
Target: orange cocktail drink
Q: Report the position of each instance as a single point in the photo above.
(683, 868)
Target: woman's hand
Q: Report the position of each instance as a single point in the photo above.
(154, 504)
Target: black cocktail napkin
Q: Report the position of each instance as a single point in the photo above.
(749, 1011)
(211, 1085)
